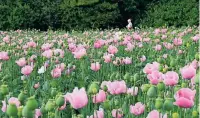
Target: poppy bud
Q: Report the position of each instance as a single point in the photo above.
(195, 114)
(175, 115)
(93, 88)
(21, 97)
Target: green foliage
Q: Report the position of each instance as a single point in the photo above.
(172, 13)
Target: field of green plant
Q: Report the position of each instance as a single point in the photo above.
(140, 73)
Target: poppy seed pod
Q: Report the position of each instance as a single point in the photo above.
(159, 103)
(27, 112)
(12, 110)
(32, 103)
(4, 89)
(60, 101)
(168, 104)
(152, 92)
(175, 115)
(93, 88)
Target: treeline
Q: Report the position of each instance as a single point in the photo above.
(87, 14)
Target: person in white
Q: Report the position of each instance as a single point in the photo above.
(129, 26)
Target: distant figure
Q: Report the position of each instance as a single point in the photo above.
(129, 26)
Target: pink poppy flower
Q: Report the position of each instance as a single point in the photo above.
(155, 77)
(47, 53)
(78, 98)
(117, 113)
(31, 44)
(4, 106)
(185, 98)
(127, 60)
(112, 49)
(149, 68)
(177, 41)
(27, 70)
(95, 66)
(6, 39)
(158, 47)
(116, 87)
(37, 113)
(143, 58)
(137, 37)
(170, 78)
(97, 114)
(15, 101)
(188, 72)
(156, 114)
(137, 109)
(79, 53)
(21, 62)
(56, 73)
(99, 97)
(107, 58)
(132, 91)
(46, 46)
(4, 56)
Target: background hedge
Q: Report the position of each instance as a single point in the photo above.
(87, 14)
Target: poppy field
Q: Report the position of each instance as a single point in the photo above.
(137, 73)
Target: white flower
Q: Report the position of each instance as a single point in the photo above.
(41, 70)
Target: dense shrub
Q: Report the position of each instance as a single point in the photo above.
(172, 13)
(87, 14)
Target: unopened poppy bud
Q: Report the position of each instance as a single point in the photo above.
(175, 115)
(195, 114)
(168, 104)
(159, 103)
(161, 86)
(50, 105)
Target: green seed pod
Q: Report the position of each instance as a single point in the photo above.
(106, 105)
(21, 97)
(42, 109)
(11, 110)
(127, 76)
(27, 112)
(145, 87)
(160, 60)
(152, 92)
(168, 104)
(172, 63)
(197, 56)
(60, 101)
(175, 115)
(4, 89)
(50, 105)
(161, 86)
(159, 103)
(32, 103)
(53, 92)
(160, 67)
